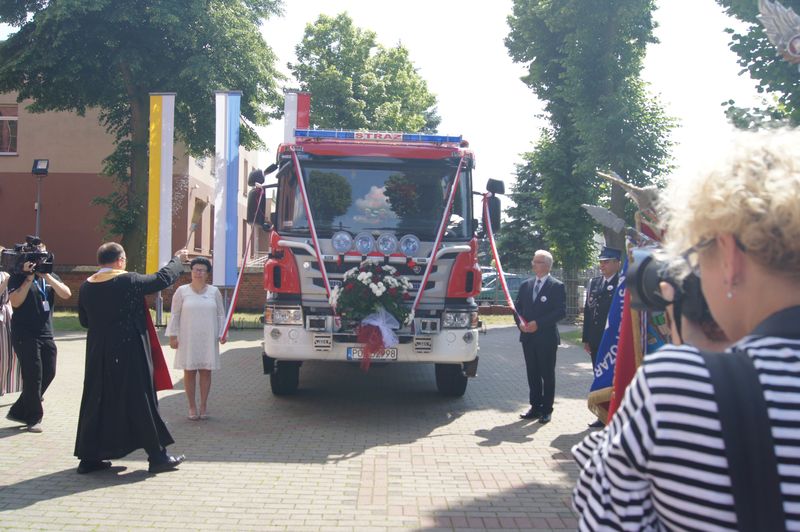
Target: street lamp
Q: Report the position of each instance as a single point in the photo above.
(40, 167)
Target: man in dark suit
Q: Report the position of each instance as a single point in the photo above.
(599, 294)
(541, 303)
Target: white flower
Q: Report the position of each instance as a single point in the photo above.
(389, 269)
(377, 289)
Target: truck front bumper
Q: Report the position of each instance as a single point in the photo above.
(450, 346)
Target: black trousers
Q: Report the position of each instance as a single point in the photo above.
(37, 361)
(540, 363)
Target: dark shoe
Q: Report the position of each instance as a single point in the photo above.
(15, 419)
(532, 413)
(172, 462)
(545, 418)
(597, 425)
(90, 466)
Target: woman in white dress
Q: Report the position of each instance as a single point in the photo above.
(194, 329)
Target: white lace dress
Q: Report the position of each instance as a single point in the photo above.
(197, 319)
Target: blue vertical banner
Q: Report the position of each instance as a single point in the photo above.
(602, 385)
(226, 213)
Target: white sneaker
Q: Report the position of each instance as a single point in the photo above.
(36, 427)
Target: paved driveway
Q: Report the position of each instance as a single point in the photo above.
(378, 450)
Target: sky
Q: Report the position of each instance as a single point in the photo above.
(457, 47)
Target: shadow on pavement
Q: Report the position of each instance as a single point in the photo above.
(63, 484)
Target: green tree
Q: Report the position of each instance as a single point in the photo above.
(358, 84)
(584, 61)
(775, 78)
(110, 54)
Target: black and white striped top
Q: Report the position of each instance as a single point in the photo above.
(660, 464)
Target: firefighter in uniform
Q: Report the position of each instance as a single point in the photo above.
(599, 294)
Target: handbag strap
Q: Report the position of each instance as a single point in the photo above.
(749, 446)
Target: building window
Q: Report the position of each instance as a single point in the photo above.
(8, 129)
(244, 241)
(244, 181)
(198, 232)
(211, 233)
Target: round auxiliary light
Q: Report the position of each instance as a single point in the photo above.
(409, 245)
(387, 243)
(364, 243)
(342, 242)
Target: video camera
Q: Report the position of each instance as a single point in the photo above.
(13, 260)
(648, 268)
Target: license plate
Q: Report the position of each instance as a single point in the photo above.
(357, 353)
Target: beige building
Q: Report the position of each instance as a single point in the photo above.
(75, 146)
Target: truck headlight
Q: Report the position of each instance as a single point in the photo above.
(458, 320)
(283, 316)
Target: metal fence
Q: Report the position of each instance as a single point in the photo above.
(575, 285)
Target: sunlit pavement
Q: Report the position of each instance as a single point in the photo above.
(370, 451)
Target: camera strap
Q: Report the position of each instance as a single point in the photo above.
(749, 446)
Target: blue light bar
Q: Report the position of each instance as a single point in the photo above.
(385, 136)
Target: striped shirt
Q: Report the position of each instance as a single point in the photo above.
(661, 465)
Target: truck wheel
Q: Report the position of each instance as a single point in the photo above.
(450, 380)
(285, 377)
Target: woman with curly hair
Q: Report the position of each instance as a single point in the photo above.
(664, 462)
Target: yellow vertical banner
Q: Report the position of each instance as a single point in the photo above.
(159, 195)
(154, 183)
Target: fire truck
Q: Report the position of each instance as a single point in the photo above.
(400, 199)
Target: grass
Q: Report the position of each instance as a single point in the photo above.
(67, 320)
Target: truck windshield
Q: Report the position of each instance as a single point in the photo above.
(399, 196)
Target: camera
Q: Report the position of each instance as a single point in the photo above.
(651, 266)
(13, 260)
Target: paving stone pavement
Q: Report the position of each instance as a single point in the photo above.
(351, 451)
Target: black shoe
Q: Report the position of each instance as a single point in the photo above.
(597, 425)
(545, 418)
(172, 462)
(532, 413)
(90, 466)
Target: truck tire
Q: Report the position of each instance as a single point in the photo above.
(285, 378)
(450, 380)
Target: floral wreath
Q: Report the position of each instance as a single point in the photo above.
(374, 296)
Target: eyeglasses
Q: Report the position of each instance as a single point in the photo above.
(692, 255)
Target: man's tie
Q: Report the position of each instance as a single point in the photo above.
(536, 288)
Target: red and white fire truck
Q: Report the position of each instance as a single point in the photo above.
(400, 199)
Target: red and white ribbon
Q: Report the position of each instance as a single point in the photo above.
(235, 298)
(311, 226)
(487, 223)
(439, 234)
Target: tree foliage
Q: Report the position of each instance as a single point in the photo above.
(584, 61)
(774, 77)
(358, 84)
(71, 55)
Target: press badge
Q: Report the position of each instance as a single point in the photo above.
(46, 306)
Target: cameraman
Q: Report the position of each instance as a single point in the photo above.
(32, 295)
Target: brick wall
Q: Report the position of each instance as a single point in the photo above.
(251, 295)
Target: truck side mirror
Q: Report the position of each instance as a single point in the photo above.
(495, 186)
(255, 212)
(494, 213)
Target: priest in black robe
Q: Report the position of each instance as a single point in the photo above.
(119, 408)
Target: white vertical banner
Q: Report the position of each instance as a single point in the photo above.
(226, 198)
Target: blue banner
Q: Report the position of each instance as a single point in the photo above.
(607, 352)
